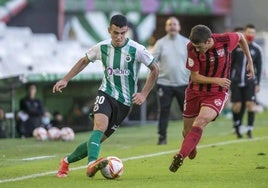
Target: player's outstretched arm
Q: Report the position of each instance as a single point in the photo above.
(78, 67)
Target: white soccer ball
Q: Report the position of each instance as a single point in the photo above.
(53, 133)
(114, 169)
(40, 134)
(67, 134)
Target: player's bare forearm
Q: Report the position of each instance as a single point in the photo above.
(139, 98)
(78, 67)
(151, 79)
(198, 78)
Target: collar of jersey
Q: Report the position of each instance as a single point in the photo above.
(120, 46)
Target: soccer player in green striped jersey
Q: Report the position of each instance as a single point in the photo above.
(121, 58)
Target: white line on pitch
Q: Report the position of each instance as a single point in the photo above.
(38, 158)
(134, 158)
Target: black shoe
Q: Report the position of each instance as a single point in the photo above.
(249, 134)
(176, 163)
(162, 141)
(238, 134)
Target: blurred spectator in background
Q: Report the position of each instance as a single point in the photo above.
(57, 120)
(171, 54)
(243, 89)
(30, 112)
(151, 43)
(46, 120)
(2, 125)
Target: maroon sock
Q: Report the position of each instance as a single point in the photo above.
(190, 141)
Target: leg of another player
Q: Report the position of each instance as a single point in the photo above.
(165, 98)
(236, 110)
(251, 117)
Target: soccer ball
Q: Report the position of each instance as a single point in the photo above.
(40, 133)
(53, 133)
(114, 168)
(67, 134)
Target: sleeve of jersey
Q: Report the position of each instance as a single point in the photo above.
(145, 57)
(93, 53)
(233, 40)
(156, 51)
(191, 62)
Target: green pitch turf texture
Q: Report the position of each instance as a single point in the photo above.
(222, 160)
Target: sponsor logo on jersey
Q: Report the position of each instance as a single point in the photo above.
(190, 62)
(117, 72)
(220, 52)
(128, 58)
(218, 102)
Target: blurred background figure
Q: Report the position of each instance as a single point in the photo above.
(171, 54)
(243, 89)
(57, 120)
(30, 112)
(46, 120)
(2, 124)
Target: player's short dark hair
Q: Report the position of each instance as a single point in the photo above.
(238, 29)
(250, 26)
(118, 20)
(200, 34)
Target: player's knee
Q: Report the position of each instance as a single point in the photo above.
(250, 106)
(201, 121)
(100, 124)
(236, 107)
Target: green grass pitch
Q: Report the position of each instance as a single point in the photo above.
(222, 161)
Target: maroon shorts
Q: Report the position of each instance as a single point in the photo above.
(194, 100)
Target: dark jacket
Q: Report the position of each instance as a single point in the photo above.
(239, 62)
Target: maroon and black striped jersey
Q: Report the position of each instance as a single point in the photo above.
(215, 62)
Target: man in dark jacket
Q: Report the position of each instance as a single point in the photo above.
(243, 89)
(30, 113)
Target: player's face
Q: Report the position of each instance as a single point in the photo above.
(204, 46)
(250, 34)
(172, 26)
(118, 35)
(201, 47)
(32, 91)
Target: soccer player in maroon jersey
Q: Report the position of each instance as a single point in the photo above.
(209, 60)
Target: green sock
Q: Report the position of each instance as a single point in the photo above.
(93, 146)
(79, 153)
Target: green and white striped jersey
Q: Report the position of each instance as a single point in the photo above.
(121, 67)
